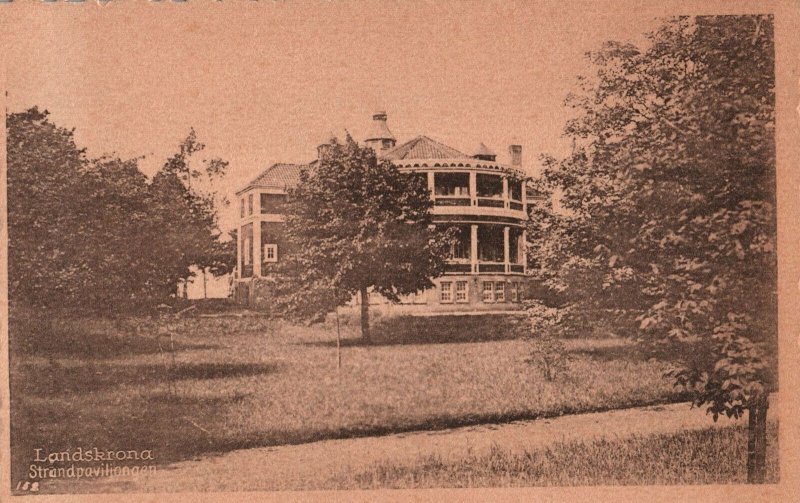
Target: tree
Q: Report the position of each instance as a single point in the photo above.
(185, 205)
(357, 223)
(97, 234)
(666, 207)
(44, 167)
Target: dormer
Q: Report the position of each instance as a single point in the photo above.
(484, 154)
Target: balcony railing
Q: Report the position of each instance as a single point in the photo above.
(451, 201)
(490, 202)
(514, 205)
(491, 267)
(517, 268)
(458, 268)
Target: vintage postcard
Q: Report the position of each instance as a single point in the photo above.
(400, 251)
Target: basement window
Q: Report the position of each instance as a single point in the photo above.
(488, 291)
(500, 291)
(446, 292)
(461, 291)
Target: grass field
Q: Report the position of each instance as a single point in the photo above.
(711, 456)
(242, 382)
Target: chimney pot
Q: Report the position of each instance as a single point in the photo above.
(515, 151)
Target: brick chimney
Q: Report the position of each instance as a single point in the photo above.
(515, 152)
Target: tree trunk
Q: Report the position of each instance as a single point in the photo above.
(757, 441)
(205, 291)
(365, 316)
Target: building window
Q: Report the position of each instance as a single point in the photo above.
(446, 292)
(250, 204)
(241, 210)
(516, 251)
(451, 184)
(461, 291)
(491, 243)
(489, 185)
(270, 253)
(488, 291)
(272, 203)
(500, 291)
(248, 255)
(460, 249)
(514, 287)
(514, 189)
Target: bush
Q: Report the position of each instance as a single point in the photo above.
(547, 350)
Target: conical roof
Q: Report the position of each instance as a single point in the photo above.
(423, 147)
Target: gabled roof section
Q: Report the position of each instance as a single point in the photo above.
(423, 147)
(280, 175)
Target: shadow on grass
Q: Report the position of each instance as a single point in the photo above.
(626, 352)
(438, 330)
(53, 379)
(174, 426)
(76, 341)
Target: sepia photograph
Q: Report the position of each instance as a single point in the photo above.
(386, 248)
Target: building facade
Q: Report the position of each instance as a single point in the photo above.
(483, 198)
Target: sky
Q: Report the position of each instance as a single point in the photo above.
(265, 82)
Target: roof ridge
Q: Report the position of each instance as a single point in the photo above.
(442, 144)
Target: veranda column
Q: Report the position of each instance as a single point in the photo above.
(505, 192)
(239, 253)
(431, 185)
(506, 249)
(524, 196)
(257, 246)
(473, 248)
(473, 189)
(523, 255)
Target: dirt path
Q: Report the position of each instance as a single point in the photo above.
(292, 466)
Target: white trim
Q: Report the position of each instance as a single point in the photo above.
(270, 248)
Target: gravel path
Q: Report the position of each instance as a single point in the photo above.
(292, 466)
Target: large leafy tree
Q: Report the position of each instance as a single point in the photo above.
(97, 233)
(357, 224)
(665, 217)
(185, 205)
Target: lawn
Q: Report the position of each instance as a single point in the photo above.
(710, 456)
(244, 381)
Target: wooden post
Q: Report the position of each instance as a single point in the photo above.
(338, 342)
(757, 440)
(473, 188)
(506, 249)
(473, 248)
(365, 315)
(257, 247)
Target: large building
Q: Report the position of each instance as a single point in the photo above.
(483, 198)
